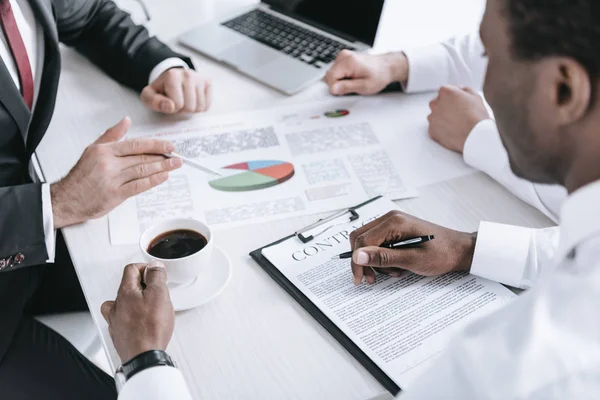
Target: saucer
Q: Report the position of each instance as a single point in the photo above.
(207, 286)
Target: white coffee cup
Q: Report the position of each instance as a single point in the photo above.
(183, 270)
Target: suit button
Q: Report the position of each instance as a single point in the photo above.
(19, 258)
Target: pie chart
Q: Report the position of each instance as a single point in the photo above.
(337, 113)
(253, 175)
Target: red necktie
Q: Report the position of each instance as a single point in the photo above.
(17, 48)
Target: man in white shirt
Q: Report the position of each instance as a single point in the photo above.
(459, 119)
(36, 275)
(543, 82)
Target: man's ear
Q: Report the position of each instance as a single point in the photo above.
(572, 90)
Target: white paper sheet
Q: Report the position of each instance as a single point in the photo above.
(401, 123)
(403, 323)
(338, 162)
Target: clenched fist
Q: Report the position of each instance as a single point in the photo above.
(142, 316)
(454, 114)
(365, 74)
(178, 90)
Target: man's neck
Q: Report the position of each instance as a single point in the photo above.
(585, 168)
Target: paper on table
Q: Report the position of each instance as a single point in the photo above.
(401, 123)
(402, 324)
(333, 148)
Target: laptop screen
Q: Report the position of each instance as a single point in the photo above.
(352, 19)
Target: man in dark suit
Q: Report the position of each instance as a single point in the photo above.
(36, 274)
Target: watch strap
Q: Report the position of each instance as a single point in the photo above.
(141, 362)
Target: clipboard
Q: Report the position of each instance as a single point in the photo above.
(316, 313)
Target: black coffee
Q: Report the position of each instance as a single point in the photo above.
(177, 244)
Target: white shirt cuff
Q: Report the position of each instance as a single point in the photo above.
(164, 66)
(427, 68)
(158, 383)
(501, 253)
(47, 215)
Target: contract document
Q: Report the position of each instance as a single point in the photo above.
(398, 324)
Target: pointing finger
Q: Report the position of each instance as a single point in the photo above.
(142, 146)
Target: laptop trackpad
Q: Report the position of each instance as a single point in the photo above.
(249, 55)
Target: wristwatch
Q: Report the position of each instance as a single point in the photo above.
(139, 363)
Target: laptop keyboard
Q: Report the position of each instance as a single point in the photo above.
(302, 44)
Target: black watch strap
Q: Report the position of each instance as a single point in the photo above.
(149, 359)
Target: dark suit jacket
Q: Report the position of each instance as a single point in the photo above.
(102, 32)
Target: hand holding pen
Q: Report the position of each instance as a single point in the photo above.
(451, 250)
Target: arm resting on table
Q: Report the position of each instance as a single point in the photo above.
(513, 255)
(459, 61)
(106, 35)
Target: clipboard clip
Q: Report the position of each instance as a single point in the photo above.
(352, 216)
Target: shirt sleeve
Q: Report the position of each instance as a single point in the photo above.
(458, 61)
(158, 383)
(513, 255)
(484, 151)
(165, 65)
(48, 217)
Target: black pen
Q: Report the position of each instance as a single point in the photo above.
(394, 245)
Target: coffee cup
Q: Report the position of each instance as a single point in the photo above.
(183, 245)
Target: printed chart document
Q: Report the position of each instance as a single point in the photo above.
(401, 324)
(276, 163)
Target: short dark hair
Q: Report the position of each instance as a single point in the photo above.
(568, 28)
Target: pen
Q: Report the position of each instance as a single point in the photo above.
(192, 163)
(393, 245)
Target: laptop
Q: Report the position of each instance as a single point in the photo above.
(288, 44)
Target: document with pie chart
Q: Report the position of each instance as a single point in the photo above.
(275, 163)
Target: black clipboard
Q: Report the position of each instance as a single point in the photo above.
(321, 318)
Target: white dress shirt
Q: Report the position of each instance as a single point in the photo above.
(33, 38)
(546, 344)
(511, 335)
(461, 62)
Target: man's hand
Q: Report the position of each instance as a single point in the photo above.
(178, 90)
(365, 74)
(449, 251)
(454, 114)
(141, 318)
(108, 173)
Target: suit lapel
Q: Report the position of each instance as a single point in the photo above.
(12, 100)
(44, 107)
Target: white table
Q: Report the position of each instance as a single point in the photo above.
(253, 341)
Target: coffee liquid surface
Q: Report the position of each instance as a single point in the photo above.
(177, 244)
